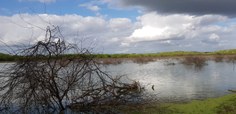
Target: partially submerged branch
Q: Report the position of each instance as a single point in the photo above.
(44, 80)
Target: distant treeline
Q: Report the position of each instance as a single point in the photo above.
(8, 57)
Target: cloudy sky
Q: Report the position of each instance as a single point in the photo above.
(123, 26)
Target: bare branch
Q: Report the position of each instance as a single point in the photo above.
(48, 79)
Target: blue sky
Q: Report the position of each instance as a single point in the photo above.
(62, 7)
(124, 26)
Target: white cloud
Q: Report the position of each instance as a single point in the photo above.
(120, 24)
(214, 37)
(157, 32)
(94, 8)
(150, 33)
(25, 28)
(91, 7)
(42, 1)
(171, 27)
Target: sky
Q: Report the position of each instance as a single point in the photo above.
(123, 26)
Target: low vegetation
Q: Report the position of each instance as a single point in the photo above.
(218, 56)
(197, 62)
(7, 57)
(221, 105)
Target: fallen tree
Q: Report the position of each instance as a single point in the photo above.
(45, 81)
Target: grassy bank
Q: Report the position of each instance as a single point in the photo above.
(168, 54)
(221, 105)
(7, 57)
(218, 54)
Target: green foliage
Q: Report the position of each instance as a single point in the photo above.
(162, 54)
(228, 107)
(225, 52)
(221, 105)
(7, 57)
(168, 54)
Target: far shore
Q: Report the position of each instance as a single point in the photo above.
(227, 55)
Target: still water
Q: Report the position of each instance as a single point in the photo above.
(175, 81)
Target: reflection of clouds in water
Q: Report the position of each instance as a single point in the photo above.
(177, 81)
(4, 66)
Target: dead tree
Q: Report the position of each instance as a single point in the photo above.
(49, 77)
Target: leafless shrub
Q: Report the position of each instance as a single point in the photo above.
(45, 80)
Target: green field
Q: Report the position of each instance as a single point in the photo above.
(8, 57)
(168, 54)
(221, 105)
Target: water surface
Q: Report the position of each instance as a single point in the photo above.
(175, 81)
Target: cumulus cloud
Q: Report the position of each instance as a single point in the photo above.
(25, 28)
(151, 32)
(213, 39)
(181, 32)
(195, 7)
(120, 24)
(154, 26)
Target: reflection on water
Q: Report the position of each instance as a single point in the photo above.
(176, 81)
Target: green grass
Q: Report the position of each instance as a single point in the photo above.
(162, 54)
(209, 106)
(168, 54)
(228, 52)
(221, 105)
(7, 57)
